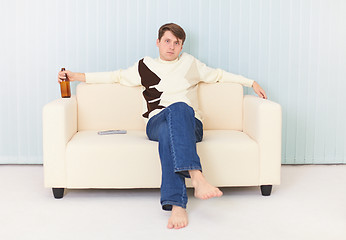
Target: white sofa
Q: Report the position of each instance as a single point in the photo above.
(241, 144)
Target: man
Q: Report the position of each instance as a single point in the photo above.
(172, 114)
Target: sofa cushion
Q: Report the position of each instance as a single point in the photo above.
(227, 156)
(109, 106)
(221, 106)
(114, 106)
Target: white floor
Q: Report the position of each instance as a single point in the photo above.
(309, 204)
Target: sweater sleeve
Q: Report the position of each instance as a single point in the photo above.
(128, 77)
(211, 75)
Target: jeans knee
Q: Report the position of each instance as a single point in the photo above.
(181, 107)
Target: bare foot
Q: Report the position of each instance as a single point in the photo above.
(203, 190)
(178, 218)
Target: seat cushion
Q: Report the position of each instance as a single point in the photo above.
(112, 161)
(228, 157)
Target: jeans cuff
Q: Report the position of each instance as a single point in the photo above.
(185, 171)
(168, 205)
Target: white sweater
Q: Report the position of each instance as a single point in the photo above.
(167, 82)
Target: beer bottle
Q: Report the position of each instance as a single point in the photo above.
(65, 87)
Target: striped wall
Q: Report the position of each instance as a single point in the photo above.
(294, 48)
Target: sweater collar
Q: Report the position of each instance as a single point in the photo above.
(168, 62)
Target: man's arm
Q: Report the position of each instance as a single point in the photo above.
(128, 77)
(72, 76)
(211, 75)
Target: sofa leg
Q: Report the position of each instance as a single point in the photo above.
(58, 192)
(266, 190)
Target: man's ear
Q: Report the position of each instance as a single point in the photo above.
(157, 42)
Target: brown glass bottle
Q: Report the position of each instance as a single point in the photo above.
(65, 87)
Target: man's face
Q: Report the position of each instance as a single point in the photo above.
(169, 46)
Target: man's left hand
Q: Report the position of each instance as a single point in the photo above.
(258, 90)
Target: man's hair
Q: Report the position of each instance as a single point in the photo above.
(176, 30)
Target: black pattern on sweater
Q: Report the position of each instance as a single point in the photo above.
(149, 79)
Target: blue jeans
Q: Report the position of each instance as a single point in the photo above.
(177, 131)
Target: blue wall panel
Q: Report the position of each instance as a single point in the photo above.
(294, 48)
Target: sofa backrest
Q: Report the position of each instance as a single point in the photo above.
(114, 106)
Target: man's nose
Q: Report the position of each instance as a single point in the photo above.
(172, 46)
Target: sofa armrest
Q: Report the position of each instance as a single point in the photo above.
(59, 126)
(262, 121)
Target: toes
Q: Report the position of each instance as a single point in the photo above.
(177, 225)
(208, 193)
(170, 225)
(180, 225)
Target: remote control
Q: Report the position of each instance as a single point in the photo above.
(107, 132)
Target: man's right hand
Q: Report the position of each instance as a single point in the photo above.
(72, 76)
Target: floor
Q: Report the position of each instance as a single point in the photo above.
(309, 204)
